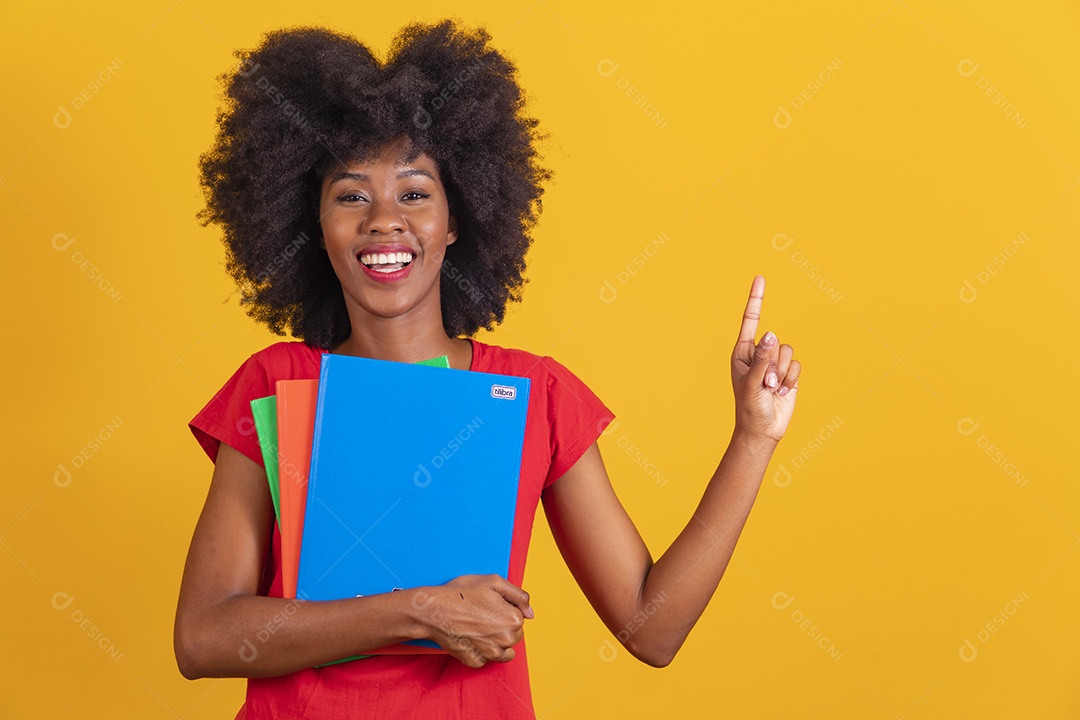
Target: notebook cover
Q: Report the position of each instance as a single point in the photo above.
(264, 410)
(414, 477)
(296, 417)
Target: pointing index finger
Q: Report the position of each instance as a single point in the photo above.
(752, 314)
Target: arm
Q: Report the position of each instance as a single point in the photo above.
(225, 629)
(651, 607)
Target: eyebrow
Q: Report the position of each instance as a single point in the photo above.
(361, 177)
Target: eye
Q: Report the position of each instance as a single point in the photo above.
(350, 197)
(414, 195)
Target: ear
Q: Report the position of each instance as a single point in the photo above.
(451, 231)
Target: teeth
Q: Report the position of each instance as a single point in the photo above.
(386, 258)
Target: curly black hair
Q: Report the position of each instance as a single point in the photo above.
(308, 99)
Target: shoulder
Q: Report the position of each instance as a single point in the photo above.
(285, 351)
(513, 361)
(229, 409)
(547, 373)
(279, 361)
(285, 359)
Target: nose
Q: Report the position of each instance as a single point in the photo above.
(382, 219)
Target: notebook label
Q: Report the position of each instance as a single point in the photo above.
(507, 392)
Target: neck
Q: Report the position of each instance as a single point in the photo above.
(410, 338)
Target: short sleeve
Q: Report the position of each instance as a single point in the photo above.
(227, 417)
(576, 418)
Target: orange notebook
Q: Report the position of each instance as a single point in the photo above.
(296, 402)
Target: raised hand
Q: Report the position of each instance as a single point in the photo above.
(764, 376)
(477, 618)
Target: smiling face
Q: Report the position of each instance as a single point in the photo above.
(385, 226)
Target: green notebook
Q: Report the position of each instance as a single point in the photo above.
(264, 410)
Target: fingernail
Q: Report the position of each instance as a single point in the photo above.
(771, 380)
(783, 391)
(529, 612)
(769, 338)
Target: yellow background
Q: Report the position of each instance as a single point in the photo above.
(898, 181)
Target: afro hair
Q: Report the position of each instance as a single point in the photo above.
(309, 99)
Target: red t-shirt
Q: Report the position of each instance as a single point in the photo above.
(564, 418)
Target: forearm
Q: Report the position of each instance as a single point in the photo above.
(254, 636)
(681, 582)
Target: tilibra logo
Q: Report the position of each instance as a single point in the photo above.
(506, 392)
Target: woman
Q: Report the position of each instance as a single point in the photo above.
(384, 211)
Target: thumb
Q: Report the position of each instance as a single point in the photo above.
(764, 358)
(515, 596)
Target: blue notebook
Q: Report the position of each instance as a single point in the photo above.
(414, 477)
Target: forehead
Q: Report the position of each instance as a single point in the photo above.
(392, 157)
